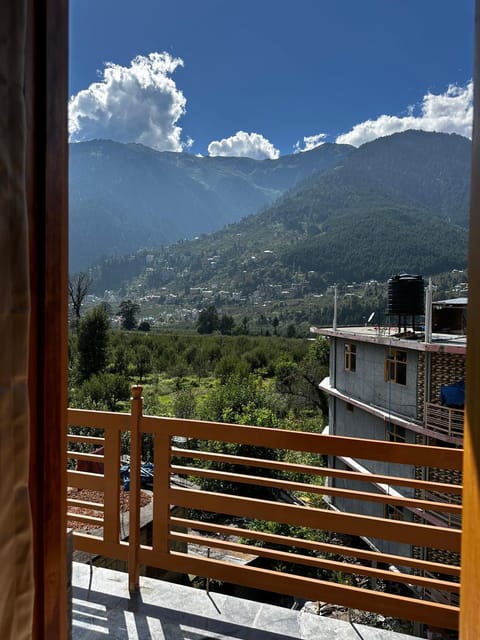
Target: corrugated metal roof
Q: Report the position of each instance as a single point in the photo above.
(452, 302)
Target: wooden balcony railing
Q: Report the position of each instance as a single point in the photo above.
(446, 421)
(261, 488)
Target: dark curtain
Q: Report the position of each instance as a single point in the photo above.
(16, 565)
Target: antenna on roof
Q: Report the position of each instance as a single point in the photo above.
(428, 311)
(335, 308)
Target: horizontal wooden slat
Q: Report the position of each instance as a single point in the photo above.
(288, 485)
(84, 480)
(72, 437)
(98, 547)
(106, 420)
(91, 457)
(445, 616)
(318, 562)
(410, 533)
(411, 454)
(320, 547)
(286, 467)
(84, 504)
(91, 520)
(314, 518)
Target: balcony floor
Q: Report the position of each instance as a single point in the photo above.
(166, 611)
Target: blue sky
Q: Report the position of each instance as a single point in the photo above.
(267, 77)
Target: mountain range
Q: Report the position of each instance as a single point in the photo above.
(124, 197)
(397, 204)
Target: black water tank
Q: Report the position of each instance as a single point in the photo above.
(406, 296)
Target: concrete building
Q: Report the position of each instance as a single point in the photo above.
(400, 385)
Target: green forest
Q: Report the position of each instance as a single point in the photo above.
(266, 380)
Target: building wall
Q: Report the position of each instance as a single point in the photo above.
(368, 383)
(372, 509)
(446, 368)
(357, 423)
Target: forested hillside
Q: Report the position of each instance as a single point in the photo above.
(124, 197)
(398, 204)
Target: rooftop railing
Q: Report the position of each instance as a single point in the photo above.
(259, 494)
(447, 421)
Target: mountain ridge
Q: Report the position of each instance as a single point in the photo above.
(127, 196)
(397, 204)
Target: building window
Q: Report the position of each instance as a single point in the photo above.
(350, 357)
(393, 512)
(396, 366)
(395, 433)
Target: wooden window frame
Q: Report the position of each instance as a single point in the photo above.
(395, 432)
(395, 367)
(47, 191)
(350, 357)
(46, 185)
(392, 512)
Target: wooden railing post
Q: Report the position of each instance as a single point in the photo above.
(161, 485)
(111, 527)
(135, 459)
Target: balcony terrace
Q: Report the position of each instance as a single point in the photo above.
(319, 558)
(103, 608)
(447, 422)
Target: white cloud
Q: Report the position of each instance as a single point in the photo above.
(310, 142)
(449, 112)
(140, 103)
(243, 144)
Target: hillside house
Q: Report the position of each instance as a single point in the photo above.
(404, 387)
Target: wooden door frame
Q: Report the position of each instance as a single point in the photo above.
(46, 90)
(47, 201)
(470, 592)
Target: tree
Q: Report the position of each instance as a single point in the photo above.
(275, 323)
(240, 402)
(103, 391)
(107, 307)
(78, 287)
(128, 312)
(120, 360)
(226, 325)
(291, 331)
(144, 326)
(93, 335)
(142, 361)
(230, 366)
(208, 320)
(184, 404)
(300, 381)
